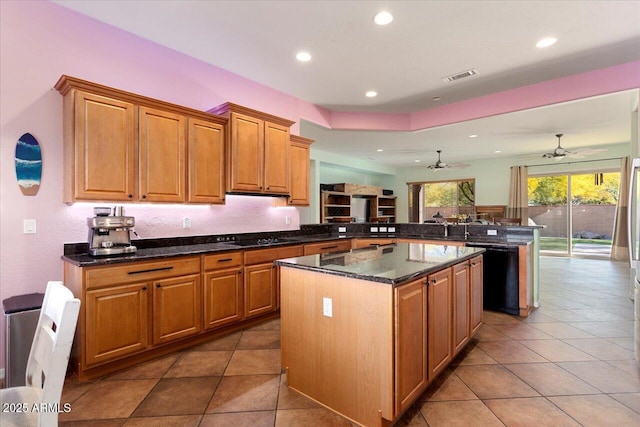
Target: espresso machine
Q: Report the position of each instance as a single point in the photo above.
(110, 234)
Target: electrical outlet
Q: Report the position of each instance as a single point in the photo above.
(383, 229)
(186, 222)
(342, 229)
(287, 220)
(392, 229)
(492, 232)
(374, 229)
(327, 307)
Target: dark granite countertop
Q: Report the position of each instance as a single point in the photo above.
(148, 249)
(392, 264)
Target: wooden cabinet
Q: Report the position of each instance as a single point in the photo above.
(99, 148)
(223, 289)
(365, 243)
(115, 321)
(162, 153)
(383, 208)
(410, 346)
(335, 207)
(461, 306)
(257, 151)
(261, 278)
(327, 247)
(205, 153)
(475, 294)
(177, 308)
(119, 146)
(439, 321)
(299, 150)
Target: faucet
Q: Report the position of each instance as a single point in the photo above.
(466, 230)
(446, 228)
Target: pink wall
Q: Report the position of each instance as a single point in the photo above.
(39, 41)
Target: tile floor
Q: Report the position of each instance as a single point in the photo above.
(570, 363)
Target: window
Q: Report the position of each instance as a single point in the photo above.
(449, 198)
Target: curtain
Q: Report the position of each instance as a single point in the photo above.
(518, 206)
(620, 243)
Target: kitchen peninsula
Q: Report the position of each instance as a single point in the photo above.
(364, 332)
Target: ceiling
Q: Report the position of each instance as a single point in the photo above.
(405, 62)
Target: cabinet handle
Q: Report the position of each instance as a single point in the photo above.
(144, 196)
(225, 260)
(144, 288)
(151, 270)
(158, 285)
(434, 281)
(130, 196)
(329, 247)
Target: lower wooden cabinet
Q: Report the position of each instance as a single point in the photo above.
(116, 322)
(222, 297)
(177, 308)
(461, 294)
(365, 243)
(439, 315)
(260, 289)
(410, 345)
(475, 297)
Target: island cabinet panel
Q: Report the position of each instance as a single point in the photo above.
(343, 359)
(411, 376)
(162, 140)
(115, 322)
(206, 162)
(461, 301)
(439, 314)
(100, 150)
(475, 298)
(365, 243)
(177, 308)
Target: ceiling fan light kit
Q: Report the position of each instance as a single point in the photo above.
(560, 153)
(439, 165)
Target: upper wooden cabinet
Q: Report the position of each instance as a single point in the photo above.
(119, 146)
(299, 151)
(258, 157)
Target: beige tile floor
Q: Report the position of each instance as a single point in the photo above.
(570, 363)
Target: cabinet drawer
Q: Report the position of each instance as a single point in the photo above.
(365, 243)
(269, 255)
(141, 271)
(226, 260)
(324, 247)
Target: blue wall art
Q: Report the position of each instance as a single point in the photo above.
(28, 164)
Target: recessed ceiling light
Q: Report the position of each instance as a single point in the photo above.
(379, 150)
(303, 56)
(546, 42)
(436, 98)
(371, 94)
(417, 161)
(383, 18)
(498, 151)
(473, 136)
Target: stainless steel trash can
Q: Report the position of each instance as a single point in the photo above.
(21, 318)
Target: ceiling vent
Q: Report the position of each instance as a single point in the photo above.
(458, 76)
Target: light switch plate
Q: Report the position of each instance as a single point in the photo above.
(492, 232)
(374, 229)
(383, 229)
(342, 229)
(29, 226)
(392, 229)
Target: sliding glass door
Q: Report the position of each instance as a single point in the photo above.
(585, 225)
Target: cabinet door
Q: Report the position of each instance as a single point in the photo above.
(276, 158)
(460, 306)
(246, 153)
(104, 151)
(439, 324)
(410, 343)
(476, 289)
(327, 247)
(222, 297)
(260, 293)
(177, 311)
(162, 145)
(206, 162)
(116, 322)
(299, 174)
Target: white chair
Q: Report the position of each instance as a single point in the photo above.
(38, 402)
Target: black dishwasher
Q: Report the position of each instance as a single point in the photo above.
(500, 270)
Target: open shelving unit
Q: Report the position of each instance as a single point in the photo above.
(335, 206)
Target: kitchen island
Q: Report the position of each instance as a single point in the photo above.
(365, 331)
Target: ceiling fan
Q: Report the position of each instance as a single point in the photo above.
(560, 153)
(442, 165)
